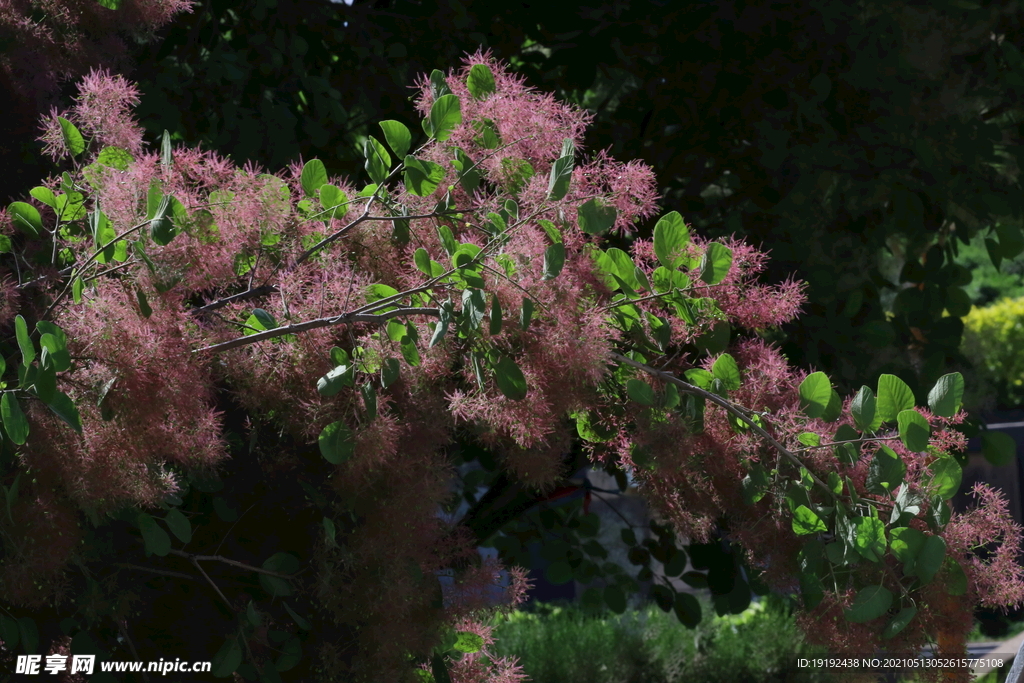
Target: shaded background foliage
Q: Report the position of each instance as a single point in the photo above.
(832, 134)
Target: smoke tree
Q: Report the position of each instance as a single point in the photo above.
(471, 293)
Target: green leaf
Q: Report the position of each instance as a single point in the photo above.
(715, 263)
(72, 137)
(438, 84)
(29, 634)
(561, 171)
(156, 539)
(806, 521)
(929, 559)
(44, 195)
(422, 260)
(815, 393)
(946, 475)
(314, 176)
(77, 287)
(26, 218)
(755, 484)
(595, 217)
(870, 603)
(165, 149)
(227, 659)
(144, 306)
(905, 544)
(473, 307)
(65, 409)
(9, 632)
(494, 327)
(863, 409)
(885, 472)
(422, 177)
(398, 137)
(115, 157)
(466, 641)
(291, 655)
(15, 422)
(893, 396)
(469, 174)
(899, 622)
(834, 408)
(615, 598)
(409, 351)
(335, 380)
(946, 396)
(378, 161)
(510, 379)
(554, 259)
(28, 350)
(671, 236)
(640, 391)
(999, 448)
(480, 81)
(526, 313)
(336, 443)
(445, 115)
(870, 540)
(725, 369)
(914, 430)
(332, 197)
(179, 525)
(687, 610)
(389, 372)
(299, 621)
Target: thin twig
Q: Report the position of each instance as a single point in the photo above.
(131, 646)
(161, 572)
(234, 563)
(196, 564)
(317, 323)
(729, 407)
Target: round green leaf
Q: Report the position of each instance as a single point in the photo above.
(510, 379)
(945, 397)
(863, 409)
(914, 430)
(468, 642)
(806, 521)
(615, 599)
(687, 610)
(671, 236)
(905, 543)
(480, 81)
(870, 539)
(999, 448)
(595, 217)
(115, 157)
(26, 218)
(554, 259)
(558, 572)
(893, 396)
(957, 581)
(815, 393)
(29, 634)
(397, 136)
(72, 137)
(179, 525)
(725, 369)
(156, 539)
(314, 176)
(715, 263)
(227, 659)
(929, 560)
(899, 622)
(15, 422)
(421, 176)
(640, 391)
(885, 472)
(445, 115)
(336, 443)
(946, 477)
(870, 603)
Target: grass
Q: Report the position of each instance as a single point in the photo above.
(565, 644)
(568, 644)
